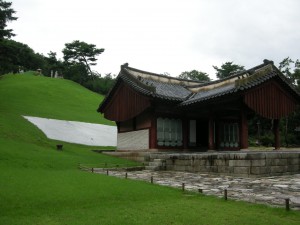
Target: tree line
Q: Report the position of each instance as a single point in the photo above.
(78, 57)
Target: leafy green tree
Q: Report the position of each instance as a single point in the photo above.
(291, 69)
(194, 75)
(227, 69)
(76, 72)
(53, 64)
(6, 15)
(101, 85)
(82, 53)
(15, 55)
(52, 59)
(297, 74)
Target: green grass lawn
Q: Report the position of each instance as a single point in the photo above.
(49, 98)
(40, 185)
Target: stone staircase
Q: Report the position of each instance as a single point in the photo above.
(151, 161)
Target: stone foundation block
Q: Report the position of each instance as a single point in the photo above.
(240, 156)
(169, 167)
(276, 162)
(189, 168)
(278, 169)
(293, 161)
(203, 169)
(212, 169)
(169, 162)
(293, 168)
(240, 163)
(258, 162)
(273, 155)
(202, 162)
(183, 157)
(252, 156)
(225, 169)
(257, 170)
(241, 170)
(236, 164)
(287, 155)
(182, 162)
(221, 162)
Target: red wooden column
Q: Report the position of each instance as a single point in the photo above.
(211, 133)
(153, 133)
(243, 130)
(276, 134)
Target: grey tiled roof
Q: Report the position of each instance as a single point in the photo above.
(156, 85)
(167, 90)
(209, 94)
(185, 92)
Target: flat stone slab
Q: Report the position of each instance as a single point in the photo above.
(265, 190)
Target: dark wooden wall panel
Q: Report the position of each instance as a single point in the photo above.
(270, 101)
(143, 121)
(125, 104)
(126, 126)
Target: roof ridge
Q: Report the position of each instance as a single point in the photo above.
(162, 76)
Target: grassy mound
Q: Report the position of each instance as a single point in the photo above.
(46, 97)
(40, 185)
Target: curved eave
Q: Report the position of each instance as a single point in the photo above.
(148, 90)
(239, 89)
(108, 96)
(208, 98)
(136, 85)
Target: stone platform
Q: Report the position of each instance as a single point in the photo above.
(242, 164)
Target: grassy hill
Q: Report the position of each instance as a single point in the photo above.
(27, 94)
(40, 185)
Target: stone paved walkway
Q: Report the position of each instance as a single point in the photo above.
(266, 190)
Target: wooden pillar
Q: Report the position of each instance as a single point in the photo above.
(276, 134)
(243, 130)
(211, 134)
(153, 134)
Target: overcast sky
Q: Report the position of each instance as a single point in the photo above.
(164, 36)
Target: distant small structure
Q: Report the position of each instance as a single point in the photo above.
(21, 70)
(55, 74)
(39, 71)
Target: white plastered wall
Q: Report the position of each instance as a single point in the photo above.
(133, 140)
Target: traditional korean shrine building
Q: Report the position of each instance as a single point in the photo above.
(157, 112)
